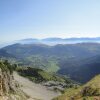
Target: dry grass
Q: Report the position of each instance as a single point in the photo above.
(89, 91)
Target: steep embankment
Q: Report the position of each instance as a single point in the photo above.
(33, 90)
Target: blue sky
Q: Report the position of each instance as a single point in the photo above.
(21, 19)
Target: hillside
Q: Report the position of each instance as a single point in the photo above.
(50, 80)
(90, 91)
(69, 50)
(15, 87)
(83, 57)
(33, 90)
(3, 53)
(84, 69)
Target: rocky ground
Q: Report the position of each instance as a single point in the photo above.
(35, 91)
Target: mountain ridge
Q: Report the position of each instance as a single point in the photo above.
(56, 40)
(83, 57)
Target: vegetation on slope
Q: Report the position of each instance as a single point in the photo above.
(59, 58)
(50, 80)
(6, 66)
(90, 91)
(39, 75)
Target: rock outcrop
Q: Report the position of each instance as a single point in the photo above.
(9, 88)
(7, 83)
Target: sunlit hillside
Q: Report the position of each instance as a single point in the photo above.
(89, 91)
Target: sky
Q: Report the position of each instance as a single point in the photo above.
(20, 19)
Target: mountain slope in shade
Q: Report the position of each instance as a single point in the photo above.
(3, 53)
(82, 70)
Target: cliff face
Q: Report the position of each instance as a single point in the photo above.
(7, 83)
(9, 88)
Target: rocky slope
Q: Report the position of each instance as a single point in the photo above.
(50, 80)
(33, 90)
(8, 86)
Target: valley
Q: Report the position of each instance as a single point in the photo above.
(62, 59)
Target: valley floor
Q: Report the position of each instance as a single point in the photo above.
(34, 91)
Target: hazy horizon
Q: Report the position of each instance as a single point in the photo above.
(21, 19)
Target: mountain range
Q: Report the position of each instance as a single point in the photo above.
(79, 61)
(54, 40)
